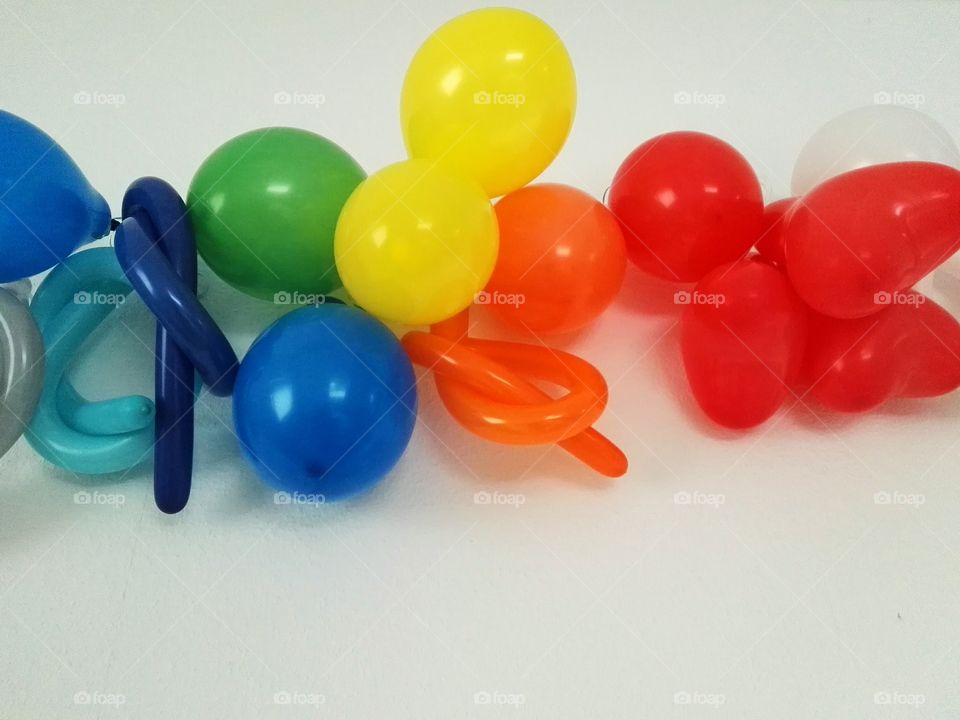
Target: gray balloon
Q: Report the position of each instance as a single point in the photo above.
(21, 364)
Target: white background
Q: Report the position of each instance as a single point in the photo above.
(797, 597)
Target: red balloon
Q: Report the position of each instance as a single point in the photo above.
(687, 203)
(742, 339)
(870, 232)
(770, 244)
(561, 261)
(909, 349)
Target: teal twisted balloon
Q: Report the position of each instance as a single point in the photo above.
(84, 437)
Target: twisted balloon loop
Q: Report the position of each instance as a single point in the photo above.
(486, 386)
(157, 251)
(67, 430)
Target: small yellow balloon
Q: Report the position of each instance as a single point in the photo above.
(415, 243)
(491, 95)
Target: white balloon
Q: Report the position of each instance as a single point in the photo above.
(869, 136)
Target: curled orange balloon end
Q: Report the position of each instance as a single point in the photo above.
(484, 385)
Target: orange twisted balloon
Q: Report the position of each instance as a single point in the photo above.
(482, 384)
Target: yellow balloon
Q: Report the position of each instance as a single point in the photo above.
(492, 95)
(415, 243)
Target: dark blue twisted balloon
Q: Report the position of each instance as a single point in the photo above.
(156, 249)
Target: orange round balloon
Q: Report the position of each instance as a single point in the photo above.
(562, 259)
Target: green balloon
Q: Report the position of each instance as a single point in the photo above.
(264, 208)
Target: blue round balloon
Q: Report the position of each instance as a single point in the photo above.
(325, 402)
(47, 207)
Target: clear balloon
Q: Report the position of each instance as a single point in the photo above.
(490, 95)
(415, 244)
(871, 135)
(49, 209)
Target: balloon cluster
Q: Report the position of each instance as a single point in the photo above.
(823, 305)
(811, 292)
(324, 402)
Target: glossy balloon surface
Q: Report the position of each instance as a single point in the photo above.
(155, 247)
(742, 339)
(21, 365)
(871, 135)
(48, 208)
(862, 235)
(770, 244)
(492, 389)
(687, 202)
(415, 244)
(490, 95)
(325, 402)
(561, 262)
(264, 208)
(909, 349)
(79, 435)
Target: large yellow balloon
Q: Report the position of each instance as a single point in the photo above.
(492, 95)
(415, 243)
